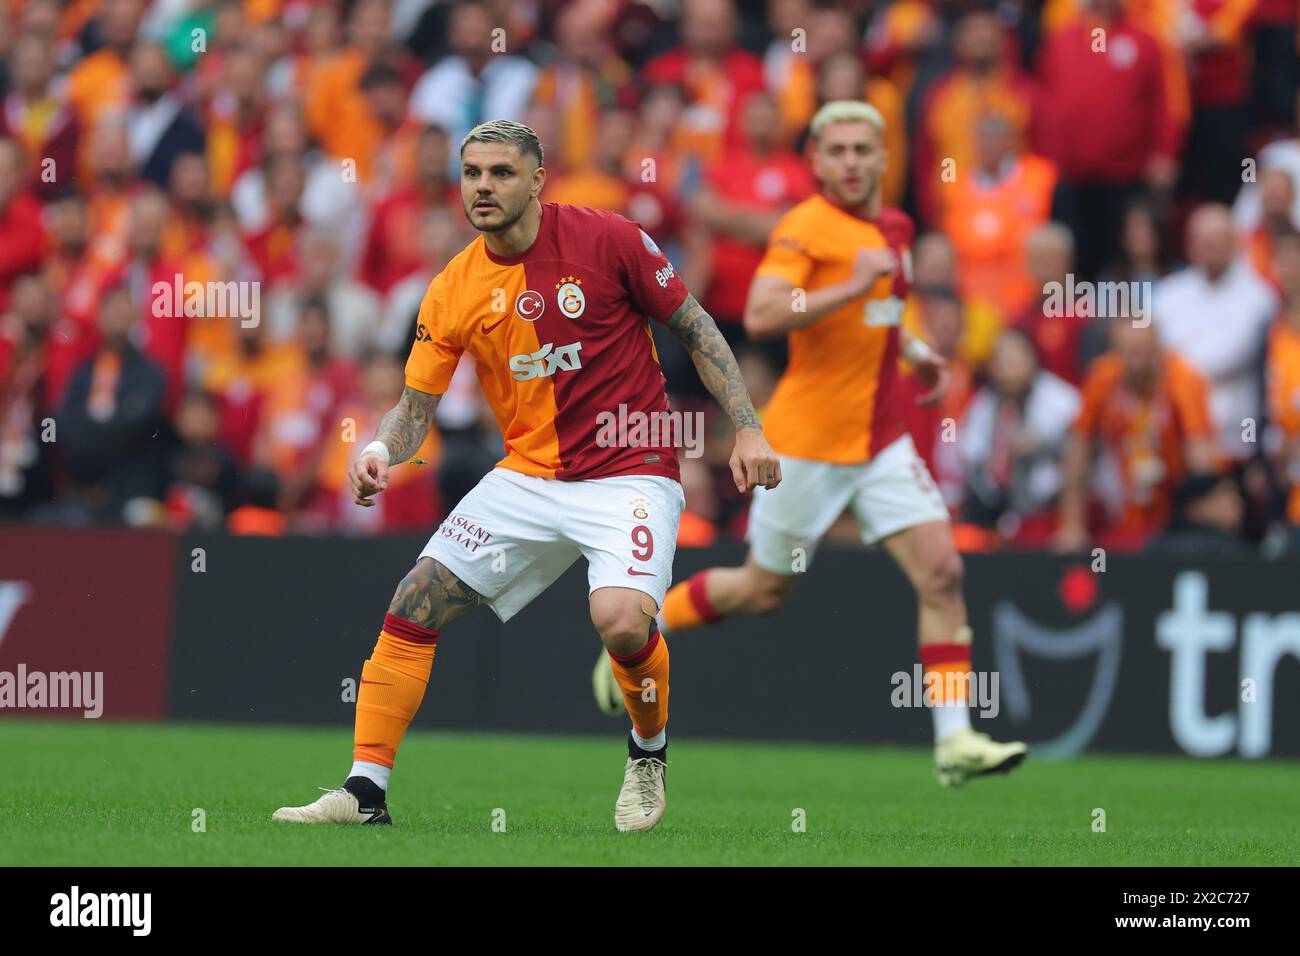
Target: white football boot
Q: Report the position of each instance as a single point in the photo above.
(966, 753)
(335, 806)
(644, 796)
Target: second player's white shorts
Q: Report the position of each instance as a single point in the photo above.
(887, 494)
(514, 534)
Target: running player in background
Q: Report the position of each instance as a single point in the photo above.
(834, 280)
(553, 302)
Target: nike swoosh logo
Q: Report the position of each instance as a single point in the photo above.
(645, 574)
(489, 328)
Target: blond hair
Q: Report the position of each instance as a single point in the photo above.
(506, 131)
(846, 111)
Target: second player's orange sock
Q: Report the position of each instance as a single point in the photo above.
(945, 668)
(687, 605)
(392, 685)
(644, 679)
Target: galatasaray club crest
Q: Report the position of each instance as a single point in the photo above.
(569, 296)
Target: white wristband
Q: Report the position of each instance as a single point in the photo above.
(918, 351)
(377, 448)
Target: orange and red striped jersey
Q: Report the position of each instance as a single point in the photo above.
(1147, 435)
(835, 400)
(1284, 394)
(561, 339)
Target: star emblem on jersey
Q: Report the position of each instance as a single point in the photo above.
(569, 297)
(530, 305)
(640, 508)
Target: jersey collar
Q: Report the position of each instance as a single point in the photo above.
(544, 229)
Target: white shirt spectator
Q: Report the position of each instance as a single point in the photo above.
(1284, 155)
(1050, 408)
(451, 96)
(1219, 327)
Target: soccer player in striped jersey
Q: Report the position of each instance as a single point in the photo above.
(554, 303)
(833, 280)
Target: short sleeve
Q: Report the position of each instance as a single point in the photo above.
(789, 255)
(434, 353)
(652, 282)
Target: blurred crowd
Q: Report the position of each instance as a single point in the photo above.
(1106, 192)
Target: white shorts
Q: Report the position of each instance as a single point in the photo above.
(514, 534)
(889, 493)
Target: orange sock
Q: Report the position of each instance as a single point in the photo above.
(946, 682)
(687, 605)
(644, 679)
(943, 660)
(392, 685)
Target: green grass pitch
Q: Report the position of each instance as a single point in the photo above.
(85, 793)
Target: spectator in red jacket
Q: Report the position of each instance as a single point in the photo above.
(1214, 35)
(736, 208)
(275, 248)
(1055, 322)
(34, 324)
(22, 236)
(393, 246)
(1108, 127)
(658, 165)
(165, 328)
(715, 73)
(37, 115)
(28, 349)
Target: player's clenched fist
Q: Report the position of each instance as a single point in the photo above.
(870, 265)
(367, 476)
(753, 462)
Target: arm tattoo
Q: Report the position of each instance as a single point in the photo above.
(432, 596)
(696, 330)
(405, 426)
